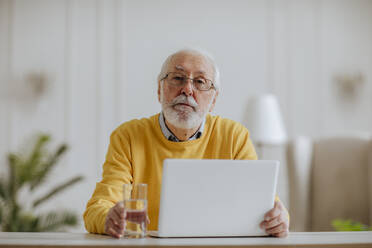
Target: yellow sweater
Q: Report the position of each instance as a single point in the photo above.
(136, 153)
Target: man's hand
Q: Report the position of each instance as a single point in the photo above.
(114, 224)
(276, 221)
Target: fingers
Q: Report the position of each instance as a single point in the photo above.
(276, 222)
(118, 215)
(278, 230)
(112, 229)
(274, 212)
(118, 229)
(114, 224)
(119, 209)
(282, 234)
(279, 227)
(273, 222)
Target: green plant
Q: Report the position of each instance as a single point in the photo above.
(28, 172)
(349, 225)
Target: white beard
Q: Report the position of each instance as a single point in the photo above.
(181, 116)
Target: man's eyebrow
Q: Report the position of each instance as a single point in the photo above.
(201, 72)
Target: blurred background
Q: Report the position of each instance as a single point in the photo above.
(76, 69)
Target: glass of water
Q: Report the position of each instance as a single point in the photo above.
(135, 210)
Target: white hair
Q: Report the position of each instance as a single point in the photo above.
(216, 80)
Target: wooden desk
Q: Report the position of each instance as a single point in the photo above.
(299, 239)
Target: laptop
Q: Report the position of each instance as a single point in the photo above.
(210, 198)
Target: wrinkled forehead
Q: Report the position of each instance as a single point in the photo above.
(191, 64)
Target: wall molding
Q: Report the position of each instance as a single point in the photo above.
(10, 108)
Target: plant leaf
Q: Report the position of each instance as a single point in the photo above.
(1, 214)
(56, 190)
(33, 163)
(32, 170)
(26, 222)
(54, 220)
(46, 167)
(348, 225)
(3, 189)
(13, 179)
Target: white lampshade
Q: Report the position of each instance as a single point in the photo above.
(264, 121)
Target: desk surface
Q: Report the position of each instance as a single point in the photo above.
(295, 239)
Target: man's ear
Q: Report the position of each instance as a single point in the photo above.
(214, 101)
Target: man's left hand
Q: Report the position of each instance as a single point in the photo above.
(276, 221)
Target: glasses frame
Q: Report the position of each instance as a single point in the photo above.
(192, 79)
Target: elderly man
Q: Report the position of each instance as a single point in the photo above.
(188, 86)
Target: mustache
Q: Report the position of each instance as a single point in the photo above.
(185, 100)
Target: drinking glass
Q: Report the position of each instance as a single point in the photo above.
(135, 210)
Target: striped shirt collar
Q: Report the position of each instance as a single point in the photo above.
(171, 137)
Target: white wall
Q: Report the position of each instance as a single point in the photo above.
(102, 59)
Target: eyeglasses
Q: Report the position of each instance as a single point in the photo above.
(178, 79)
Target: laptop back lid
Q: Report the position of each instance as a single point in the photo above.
(216, 197)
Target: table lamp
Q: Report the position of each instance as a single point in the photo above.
(264, 122)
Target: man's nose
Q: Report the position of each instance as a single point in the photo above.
(187, 88)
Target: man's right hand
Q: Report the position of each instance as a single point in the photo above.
(114, 224)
